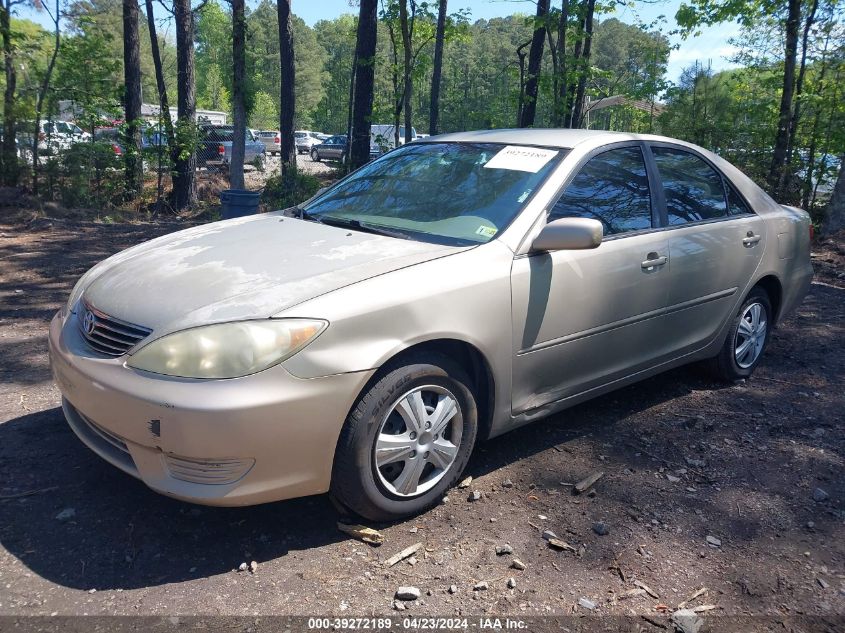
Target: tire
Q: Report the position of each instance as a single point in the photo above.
(343, 158)
(385, 410)
(261, 162)
(732, 364)
(315, 156)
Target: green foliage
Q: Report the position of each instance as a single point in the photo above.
(214, 56)
(104, 18)
(85, 75)
(263, 60)
(214, 94)
(86, 175)
(264, 113)
(289, 189)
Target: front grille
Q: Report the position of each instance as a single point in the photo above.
(107, 334)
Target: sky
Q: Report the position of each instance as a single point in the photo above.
(711, 46)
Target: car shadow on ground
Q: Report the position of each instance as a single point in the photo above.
(87, 525)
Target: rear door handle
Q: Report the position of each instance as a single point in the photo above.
(750, 239)
(654, 260)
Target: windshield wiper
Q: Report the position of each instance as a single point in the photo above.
(357, 225)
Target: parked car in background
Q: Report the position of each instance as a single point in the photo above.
(451, 291)
(337, 148)
(272, 140)
(333, 148)
(305, 140)
(384, 136)
(111, 136)
(215, 148)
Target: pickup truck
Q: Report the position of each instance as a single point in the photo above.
(215, 148)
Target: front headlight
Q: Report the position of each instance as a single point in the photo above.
(227, 350)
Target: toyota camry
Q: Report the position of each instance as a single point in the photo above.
(457, 288)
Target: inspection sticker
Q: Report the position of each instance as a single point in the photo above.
(514, 157)
(486, 231)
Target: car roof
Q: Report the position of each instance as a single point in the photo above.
(549, 137)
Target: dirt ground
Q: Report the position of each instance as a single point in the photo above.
(685, 461)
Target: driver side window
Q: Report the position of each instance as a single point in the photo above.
(611, 188)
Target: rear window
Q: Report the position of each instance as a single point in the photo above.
(694, 190)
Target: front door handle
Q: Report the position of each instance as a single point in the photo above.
(750, 239)
(653, 260)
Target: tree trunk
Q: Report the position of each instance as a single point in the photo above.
(535, 58)
(42, 94)
(583, 66)
(184, 189)
(835, 216)
(407, 68)
(8, 154)
(164, 106)
(236, 167)
(131, 98)
(793, 22)
(288, 96)
(434, 109)
(362, 108)
(351, 99)
(398, 95)
(799, 89)
(520, 104)
(563, 24)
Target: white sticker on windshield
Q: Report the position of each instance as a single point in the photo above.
(486, 231)
(514, 157)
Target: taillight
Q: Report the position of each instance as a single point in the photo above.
(812, 232)
(221, 150)
(117, 149)
(277, 140)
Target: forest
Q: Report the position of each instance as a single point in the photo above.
(778, 113)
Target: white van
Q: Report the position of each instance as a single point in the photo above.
(383, 136)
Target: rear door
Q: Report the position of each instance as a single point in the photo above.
(715, 244)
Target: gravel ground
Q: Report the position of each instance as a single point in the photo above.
(737, 490)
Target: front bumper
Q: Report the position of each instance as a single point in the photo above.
(244, 441)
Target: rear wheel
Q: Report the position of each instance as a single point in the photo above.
(747, 338)
(406, 441)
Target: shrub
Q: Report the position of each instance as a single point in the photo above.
(289, 190)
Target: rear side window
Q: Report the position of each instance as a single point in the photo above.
(694, 190)
(736, 205)
(611, 188)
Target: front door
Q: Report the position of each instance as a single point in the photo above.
(584, 318)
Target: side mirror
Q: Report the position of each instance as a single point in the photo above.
(569, 234)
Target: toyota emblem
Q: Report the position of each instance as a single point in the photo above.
(89, 322)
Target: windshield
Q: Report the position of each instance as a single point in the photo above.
(450, 193)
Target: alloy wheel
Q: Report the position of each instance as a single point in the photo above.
(750, 335)
(418, 441)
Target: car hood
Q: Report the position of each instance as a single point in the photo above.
(239, 269)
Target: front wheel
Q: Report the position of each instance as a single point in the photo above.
(406, 441)
(315, 156)
(747, 338)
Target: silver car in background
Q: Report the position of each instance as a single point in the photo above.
(272, 140)
(450, 291)
(305, 140)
